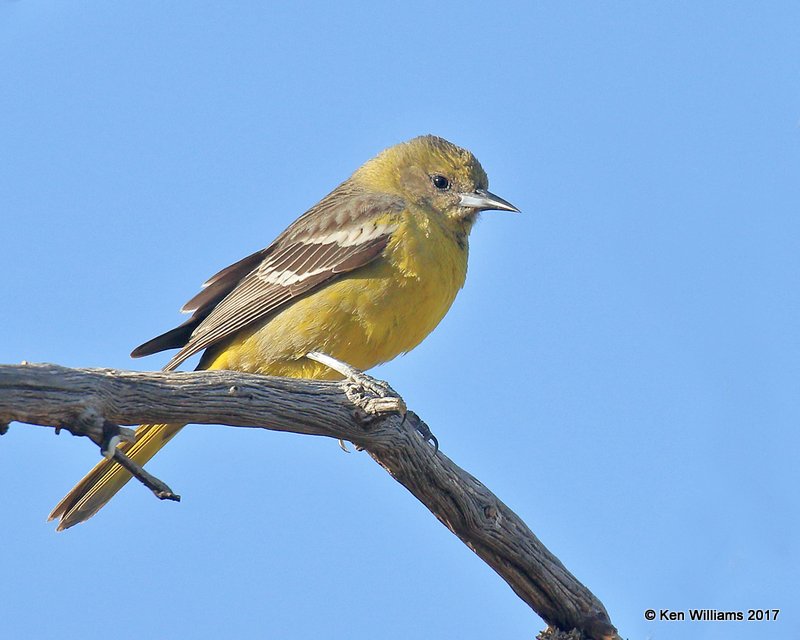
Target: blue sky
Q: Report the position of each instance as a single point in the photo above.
(621, 367)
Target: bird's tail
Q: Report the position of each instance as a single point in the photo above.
(108, 477)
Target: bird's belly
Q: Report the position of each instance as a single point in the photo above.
(364, 319)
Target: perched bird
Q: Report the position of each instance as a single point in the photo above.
(363, 276)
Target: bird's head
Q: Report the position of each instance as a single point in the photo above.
(434, 174)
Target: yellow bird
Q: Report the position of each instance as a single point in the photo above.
(363, 276)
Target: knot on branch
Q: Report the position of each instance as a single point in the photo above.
(597, 626)
(92, 424)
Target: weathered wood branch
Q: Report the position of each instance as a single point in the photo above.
(92, 402)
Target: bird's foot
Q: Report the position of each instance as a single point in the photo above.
(371, 396)
(374, 397)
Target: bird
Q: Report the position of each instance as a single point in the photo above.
(363, 276)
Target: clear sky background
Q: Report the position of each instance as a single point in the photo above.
(621, 368)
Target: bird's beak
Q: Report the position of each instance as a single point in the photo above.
(483, 200)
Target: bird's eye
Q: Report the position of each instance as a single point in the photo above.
(440, 182)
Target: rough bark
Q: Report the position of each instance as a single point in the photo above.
(94, 402)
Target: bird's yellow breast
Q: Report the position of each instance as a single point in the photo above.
(364, 318)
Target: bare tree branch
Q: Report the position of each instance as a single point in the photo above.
(92, 402)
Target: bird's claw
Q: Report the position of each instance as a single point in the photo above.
(424, 430)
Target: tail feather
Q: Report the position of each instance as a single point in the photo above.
(108, 477)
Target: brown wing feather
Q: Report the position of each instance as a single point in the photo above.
(332, 238)
(255, 298)
(220, 284)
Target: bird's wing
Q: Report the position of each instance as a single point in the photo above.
(342, 233)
